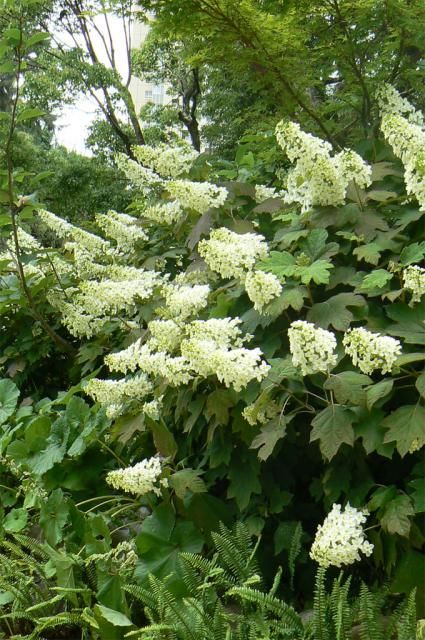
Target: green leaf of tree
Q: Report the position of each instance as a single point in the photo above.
(116, 618)
(420, 384)
(334, 311)
(53, 516)
(187, 480)
(370, 253)
(348, 387)
(281, 263)
(15, 520)
(269, 435)
(378, 279)
(406, 425)
(333, 427)
(318, 272)
(9, 394)
(160, 541)
(378, 391)
(30, 113)
(396, 514)
(418, 494)
(243, 475)
(409, 322)
(413, 253)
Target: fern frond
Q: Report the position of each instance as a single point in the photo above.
(143, 595)
(340, 608)
(406, 627)
(370, 624)
(294, 551)
(287, 615)
(320, 608)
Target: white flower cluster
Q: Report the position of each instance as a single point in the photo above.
(312, 349)
(408, 143)
(166, 335)
(199, 196)
(123, 556)
(223, 331)
(111, 297)
(159, 364)
(144, 477)
(340, 539)
(184, 301)
(164, 212)
(414, 281)
(169, 162)
(261, 288)
(370, 351)
(79, 323)
(66, 230)
(260, 412)
(27, 242)
(390, 101)
(318, 178)
(153, 408)
(144, 179)
(207, 347)
(234, 367)
(122, 228)
(263, 193)
(232, 254)
(115, 394)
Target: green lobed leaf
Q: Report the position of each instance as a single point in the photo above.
(395, 515)
(333, 427)
(9, 394)
(334, 311)
(269, 435)
(406, 426)
(378, 279)
(378, 391)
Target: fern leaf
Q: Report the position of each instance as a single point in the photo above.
(320, 609)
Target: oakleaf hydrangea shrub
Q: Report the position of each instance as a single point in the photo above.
(271, 353)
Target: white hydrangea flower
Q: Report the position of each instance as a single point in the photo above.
(144, 179)
(199, 196)
(353, 167)
(340, 539)
(79, 323)
(263, 193)
(224, 331)
(259, 412)
(261, 288)
(166, 335)
(317, 178)
(234, 367)
(65, 230)
(184, 301)
(370, 351)
(169, 162)
(414, 281)
(144, 477)
(117, 392)
(122, 228)
(153, 408)
(164, 212)
(390, 101)
(110, 297)
(408, 143)
(312, 349)
(126, 360)
(175, 370)
(232, 254)
(27, 242)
